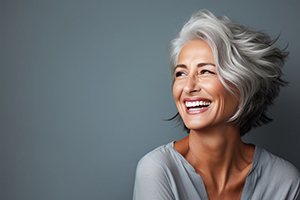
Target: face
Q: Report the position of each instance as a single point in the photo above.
(201, 99)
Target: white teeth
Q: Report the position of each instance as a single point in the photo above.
(196, 103)
(194, 109)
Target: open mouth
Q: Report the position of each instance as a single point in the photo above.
(193, 106)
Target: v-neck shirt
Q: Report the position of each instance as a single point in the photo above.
(164, 174)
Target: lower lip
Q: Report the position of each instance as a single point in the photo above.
(196, 111)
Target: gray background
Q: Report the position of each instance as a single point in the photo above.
(85, 86)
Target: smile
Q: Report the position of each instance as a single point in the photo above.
(196, 106)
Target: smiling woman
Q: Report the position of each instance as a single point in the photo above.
(224, 78)
(198, 92)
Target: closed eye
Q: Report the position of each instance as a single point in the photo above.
(205, 71)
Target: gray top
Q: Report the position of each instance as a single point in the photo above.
(164, 174)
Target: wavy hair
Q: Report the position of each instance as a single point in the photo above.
(247, 59)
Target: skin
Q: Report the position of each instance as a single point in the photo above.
(213, 147)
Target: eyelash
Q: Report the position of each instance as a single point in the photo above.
(204, 71)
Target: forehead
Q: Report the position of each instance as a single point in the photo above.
(195, 50)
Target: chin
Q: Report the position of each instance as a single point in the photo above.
(195, 126)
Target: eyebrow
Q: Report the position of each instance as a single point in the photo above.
(198, 65)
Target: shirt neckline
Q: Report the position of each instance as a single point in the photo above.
(256, 156)
(254, 161)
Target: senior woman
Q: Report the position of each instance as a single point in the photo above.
(225, 77)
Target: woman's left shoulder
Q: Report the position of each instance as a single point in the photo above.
(273, 177)
(279, 168)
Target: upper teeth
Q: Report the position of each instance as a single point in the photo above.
(196, 103)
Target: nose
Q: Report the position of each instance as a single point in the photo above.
(191, 85)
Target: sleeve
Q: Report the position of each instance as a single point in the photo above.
(151, 181)
(297, 190)
(297, 196)
(294, 177)
(291, 179)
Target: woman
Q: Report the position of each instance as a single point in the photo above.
(225, 77)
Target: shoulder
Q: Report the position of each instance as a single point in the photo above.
(279, 167)
(152, 178)
(272, 177)
(281, 177)
(156, 161)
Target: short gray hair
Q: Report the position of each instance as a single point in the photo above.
(247, 59)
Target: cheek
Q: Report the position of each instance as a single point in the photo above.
(212, 88)
(176, 92)
(230, 102)
(225, 98)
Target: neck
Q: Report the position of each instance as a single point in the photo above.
(218, 154)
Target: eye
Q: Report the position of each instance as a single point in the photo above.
(206, 71)
(179, 74)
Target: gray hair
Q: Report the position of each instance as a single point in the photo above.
(245, 59)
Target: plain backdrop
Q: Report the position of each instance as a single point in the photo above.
(85, 88)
